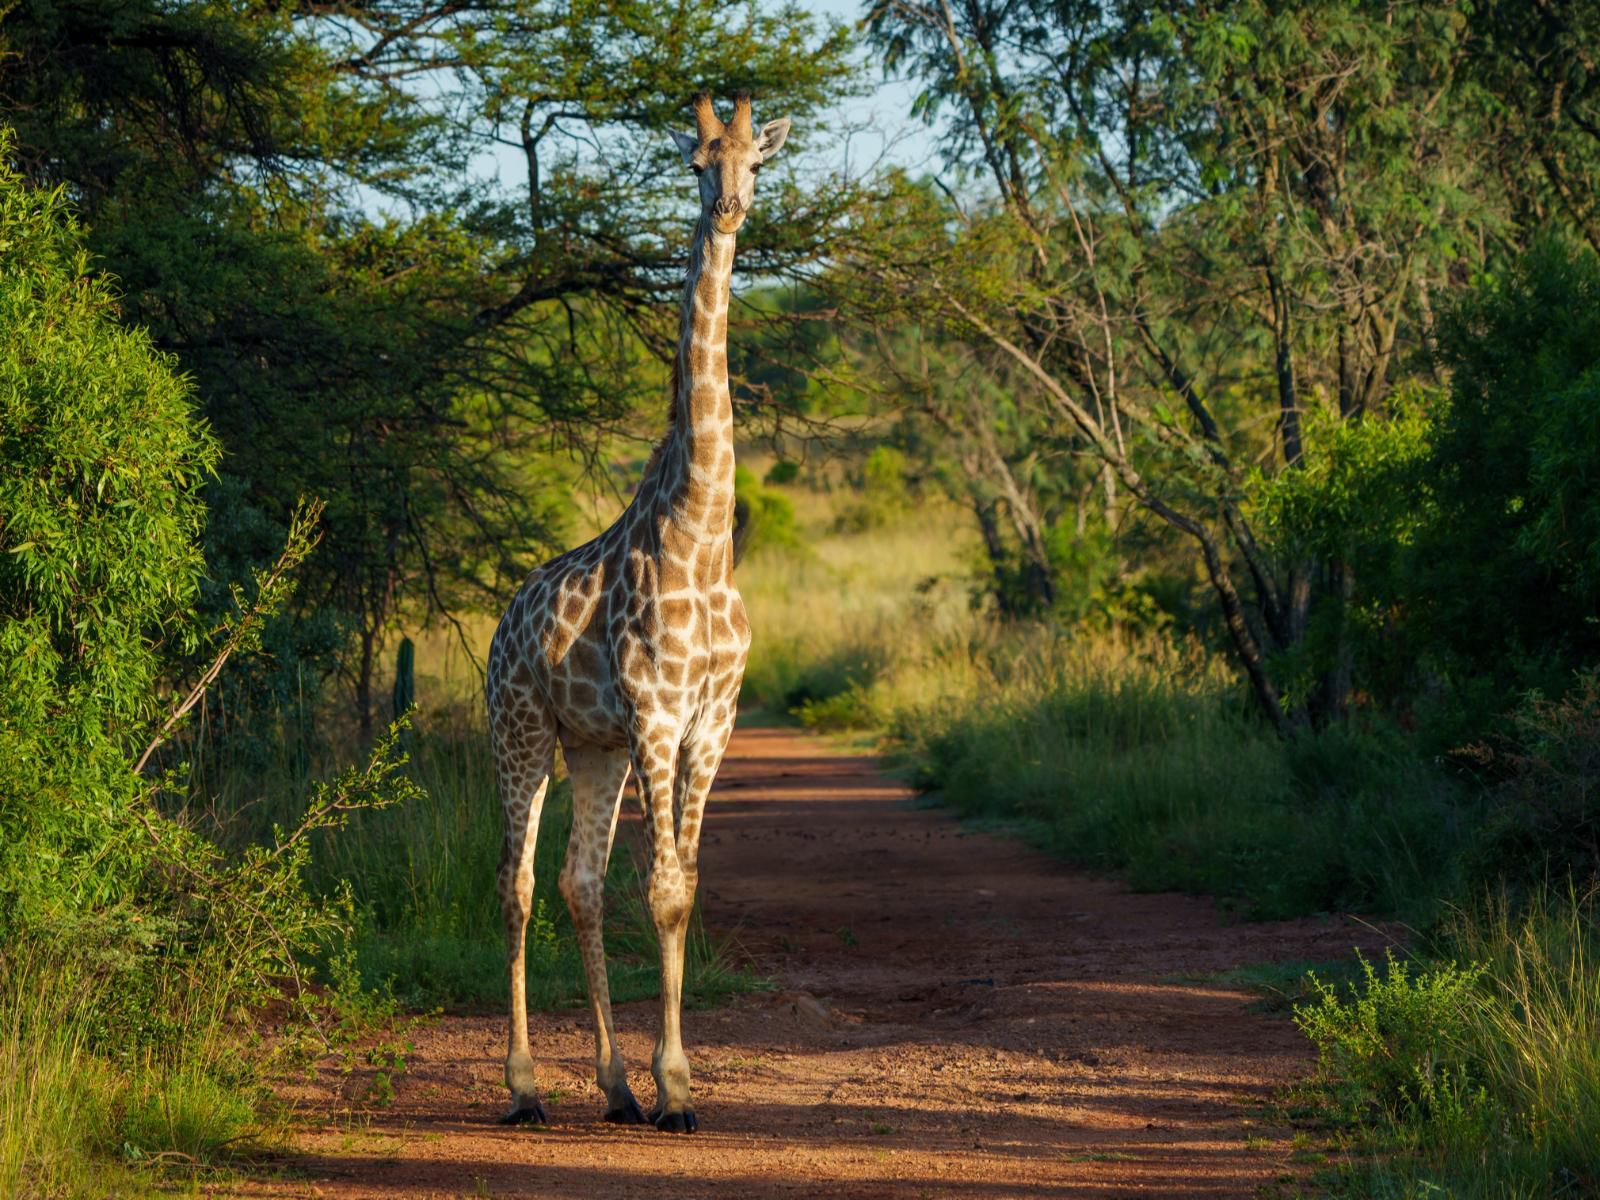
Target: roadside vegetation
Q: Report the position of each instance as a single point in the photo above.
(1462, 1063)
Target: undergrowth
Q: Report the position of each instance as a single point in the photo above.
(1476, 1072)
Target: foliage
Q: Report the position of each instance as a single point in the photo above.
(1510, 481)
(369, 314)
(764, 516)
(882, 490)
(1181, 230)
(1472, 1081)
(101, 461)
(1353, 496)
(1401, 1039)
(1543, 126)
(72, 1123)
(1545, 820)
(1355, 499)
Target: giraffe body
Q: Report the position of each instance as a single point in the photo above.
(628, 652)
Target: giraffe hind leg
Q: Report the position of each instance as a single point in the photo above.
(598, 777)
(524, 758)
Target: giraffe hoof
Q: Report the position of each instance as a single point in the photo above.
(626, 1113)
(678, 1122)
(527, 1112)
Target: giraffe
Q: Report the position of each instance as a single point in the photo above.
(629, 651)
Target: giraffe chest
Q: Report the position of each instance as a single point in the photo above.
(680, 632)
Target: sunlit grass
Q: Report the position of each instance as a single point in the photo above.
(79, 1119)
(1476, 1073)
(867, 613)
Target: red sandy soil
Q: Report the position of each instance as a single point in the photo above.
(955, 1015)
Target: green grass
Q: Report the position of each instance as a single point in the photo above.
(1142, 758)
(78, 1118)
(1479, 1081)
(421, 877)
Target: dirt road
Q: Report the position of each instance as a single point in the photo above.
(956, 1016)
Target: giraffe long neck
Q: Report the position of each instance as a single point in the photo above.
(701, 490)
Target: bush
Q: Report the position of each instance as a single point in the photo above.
(763, 518)
(1545, 820)
(1402, 1040)
(882, 494)
(1504, 575)
(1472, 1081)
(101, 462)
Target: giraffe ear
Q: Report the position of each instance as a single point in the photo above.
(772, 136)
(687, 145)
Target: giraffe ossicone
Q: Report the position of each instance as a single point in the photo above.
(628, 652)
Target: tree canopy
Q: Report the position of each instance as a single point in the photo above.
(301, 203)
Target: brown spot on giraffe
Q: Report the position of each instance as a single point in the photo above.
(611, 651)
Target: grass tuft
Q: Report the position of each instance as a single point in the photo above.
(1473, 1081)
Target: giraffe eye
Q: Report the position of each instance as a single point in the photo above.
(696, 168)
(754, 167)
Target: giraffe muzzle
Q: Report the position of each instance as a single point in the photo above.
(727, 214)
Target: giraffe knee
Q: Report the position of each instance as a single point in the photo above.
(580, 888)
(670, 897)
(516, 898)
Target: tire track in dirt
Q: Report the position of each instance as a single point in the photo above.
(956, 1015)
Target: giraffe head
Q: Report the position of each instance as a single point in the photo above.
(727, 157)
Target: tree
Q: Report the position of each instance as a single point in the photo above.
(1511, 482)
(293, 198)
(1233, 213)
(1536, 62)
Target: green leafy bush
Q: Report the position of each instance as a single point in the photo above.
(1503, 577)
(1402, 1041)
(1474, 1082)
(101, 462)
(764, 518)
(882, 493)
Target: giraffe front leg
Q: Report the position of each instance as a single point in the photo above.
(523, 765)
(697, 762)
(598, 777)
(670, 892)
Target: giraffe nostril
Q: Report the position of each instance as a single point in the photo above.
(726, 206)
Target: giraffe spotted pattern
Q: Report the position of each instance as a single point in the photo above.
(628, 652)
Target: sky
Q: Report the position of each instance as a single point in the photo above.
(902, 139)
(884, 131)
